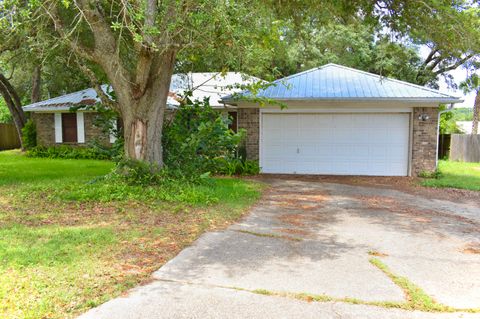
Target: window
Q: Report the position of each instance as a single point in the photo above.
(69, 127)
(233, 117)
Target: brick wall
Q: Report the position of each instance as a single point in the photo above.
(92, 132)
(249, 119)
(424, 141)
(45, 124)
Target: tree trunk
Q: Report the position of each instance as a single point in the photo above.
(36, 82)
(14, 105)
(476, 110)
(143, 117)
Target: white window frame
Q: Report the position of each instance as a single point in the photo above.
(80, 128)
(58, 128)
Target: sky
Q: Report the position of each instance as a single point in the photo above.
(459, 75)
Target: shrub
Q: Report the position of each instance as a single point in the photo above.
(115, 151)
(29, 135)
(67, 152)
(198, 140)
(137, 172)
(237, 166)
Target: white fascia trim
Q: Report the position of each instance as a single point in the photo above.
(340, 110)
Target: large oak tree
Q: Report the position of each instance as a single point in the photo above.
(136, 44)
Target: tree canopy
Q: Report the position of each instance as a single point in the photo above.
(137, 45)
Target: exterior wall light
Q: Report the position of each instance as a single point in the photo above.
(423, 117)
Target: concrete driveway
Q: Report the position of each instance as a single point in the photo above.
(308, 240)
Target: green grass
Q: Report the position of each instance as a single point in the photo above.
(70, 240)
(22, 246)
(17, 169)
(417, 299)
(456, 175)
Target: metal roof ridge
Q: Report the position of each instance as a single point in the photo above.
(391, 79)
(57, 98)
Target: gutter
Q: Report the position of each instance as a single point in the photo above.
(449, 109)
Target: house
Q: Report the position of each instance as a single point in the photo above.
(56, 124)
(343, 121)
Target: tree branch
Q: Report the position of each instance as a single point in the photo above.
(97, 86)
(455, 65)
(14, 105)
(82, 50)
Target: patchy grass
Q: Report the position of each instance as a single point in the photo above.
(416, 298)
(68, 244)
(456, 175)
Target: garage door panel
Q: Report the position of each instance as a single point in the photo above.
(348, 144)
(396, 152)
(274, 166)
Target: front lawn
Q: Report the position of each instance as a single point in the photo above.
(456, 175)
(70, 241)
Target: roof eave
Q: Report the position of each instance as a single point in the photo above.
(379, 99)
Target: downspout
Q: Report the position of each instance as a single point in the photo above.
(449, 109)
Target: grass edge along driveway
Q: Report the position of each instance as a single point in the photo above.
(456, 175)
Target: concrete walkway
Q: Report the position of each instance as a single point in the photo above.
(318, 238)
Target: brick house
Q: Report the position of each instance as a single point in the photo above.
(57, 125)
(337, 121)
(342, 121)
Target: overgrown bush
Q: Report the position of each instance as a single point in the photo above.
(29, 135)
(237, 166)
(198, 140)
(114, 151)
(67, 152)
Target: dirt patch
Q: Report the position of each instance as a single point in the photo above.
(410, 185)
(298, 220)
(303, 223)
(302, 201)
(421, 215)
(293, 231)
(294, 204)
(472, 248)
(377, 253)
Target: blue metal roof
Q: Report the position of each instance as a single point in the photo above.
(213, 85)
(337, 82)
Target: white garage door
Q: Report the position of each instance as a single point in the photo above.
(339, 144)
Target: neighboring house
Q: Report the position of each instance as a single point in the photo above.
(342, 121)
(465, 126)
(57, 125)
